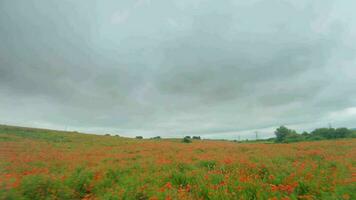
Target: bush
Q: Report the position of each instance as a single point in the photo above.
(196, 137)
(139, 137)
(186, 140)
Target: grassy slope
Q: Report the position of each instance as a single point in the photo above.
(68, 165)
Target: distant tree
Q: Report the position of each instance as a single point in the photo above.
(157, 138)
(342, 133)
(186, 140)
(196, 137)
(283, 133)
(107, 134)
(331, 133)
(139, 137)
(305, 133)
(326, 133)
(187, 137)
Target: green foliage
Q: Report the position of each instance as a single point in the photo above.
(250, 192)
(109, 196)
(6, 138)
(36, 187)
(80, 181)
(182, 167)
(179, 179)
(41, 187)
(31, 133)
(285, 135)
(10, 195)
(303, 188)
(215, 179)
(208, 164)
(186, 140)
(331, 133)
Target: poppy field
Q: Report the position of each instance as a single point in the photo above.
(43, 164)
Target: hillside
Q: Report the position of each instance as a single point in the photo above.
(49, 164)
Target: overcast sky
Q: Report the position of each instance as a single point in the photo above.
(218, 69)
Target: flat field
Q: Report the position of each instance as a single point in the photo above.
(43, 164)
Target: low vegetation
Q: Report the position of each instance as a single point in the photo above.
(38, 164)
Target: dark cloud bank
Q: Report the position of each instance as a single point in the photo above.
(172, 68)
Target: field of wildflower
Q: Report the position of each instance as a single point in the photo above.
(43, 164)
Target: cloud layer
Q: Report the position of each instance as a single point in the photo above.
(173, 68)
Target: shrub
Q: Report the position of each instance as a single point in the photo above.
(139, 137)
(186, 140)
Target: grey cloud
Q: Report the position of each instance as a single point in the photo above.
(176, 68)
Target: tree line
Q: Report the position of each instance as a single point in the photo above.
(285, 135)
